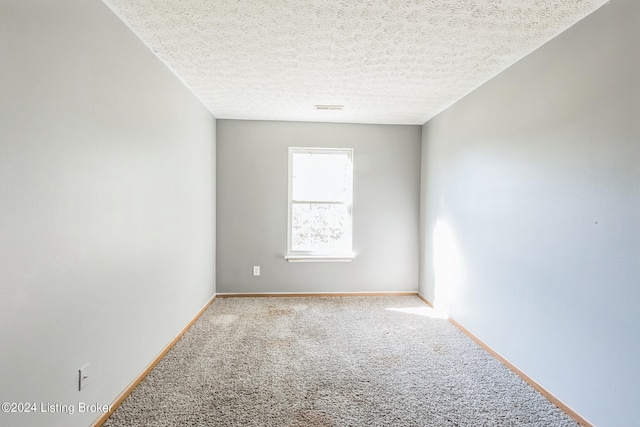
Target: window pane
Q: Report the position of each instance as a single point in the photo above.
(320, 227)
(321, 177)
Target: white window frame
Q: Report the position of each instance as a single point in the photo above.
(313, 256)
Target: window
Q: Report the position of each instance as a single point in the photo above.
(320, 204)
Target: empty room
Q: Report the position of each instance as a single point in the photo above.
(319, 213)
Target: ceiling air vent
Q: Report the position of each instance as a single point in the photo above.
(329, 107)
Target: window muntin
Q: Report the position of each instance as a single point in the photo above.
(320, 202)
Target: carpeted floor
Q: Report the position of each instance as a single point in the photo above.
(334, 361)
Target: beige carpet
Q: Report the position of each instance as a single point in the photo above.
(334, 361)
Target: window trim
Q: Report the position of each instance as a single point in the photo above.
(311, 256)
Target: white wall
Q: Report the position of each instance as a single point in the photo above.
(107, 206)
(534, 179)
(252, 207)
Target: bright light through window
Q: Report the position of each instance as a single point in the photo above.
(320, 199)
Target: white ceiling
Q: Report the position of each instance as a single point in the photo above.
(386, 61)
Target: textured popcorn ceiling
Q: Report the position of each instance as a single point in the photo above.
(386, 61)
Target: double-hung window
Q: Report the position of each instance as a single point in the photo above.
(320, 204)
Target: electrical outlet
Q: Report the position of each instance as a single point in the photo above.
(83, 377)
(256, 270)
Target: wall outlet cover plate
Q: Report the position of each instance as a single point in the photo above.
(83, 377)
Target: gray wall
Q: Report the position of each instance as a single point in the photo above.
(107, 206)
(534, 179)
(252, 207)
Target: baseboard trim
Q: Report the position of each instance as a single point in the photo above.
(315, 294)
(533, 383)
(127, 391)
(423, 298)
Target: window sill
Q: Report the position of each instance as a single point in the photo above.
(319, 258)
